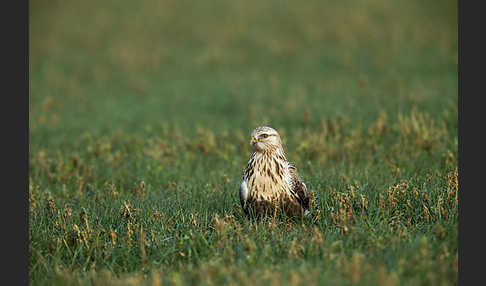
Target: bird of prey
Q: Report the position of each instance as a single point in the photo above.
(271, 184)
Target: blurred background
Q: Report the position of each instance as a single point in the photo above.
(110, 66)
(139, 120)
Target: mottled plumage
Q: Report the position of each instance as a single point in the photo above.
(270, 183)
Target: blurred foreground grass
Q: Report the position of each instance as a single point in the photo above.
(139, 122)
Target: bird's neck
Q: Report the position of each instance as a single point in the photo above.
(277, 153)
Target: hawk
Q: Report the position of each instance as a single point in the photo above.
(270, 183)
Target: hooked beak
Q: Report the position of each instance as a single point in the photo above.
(253, 140)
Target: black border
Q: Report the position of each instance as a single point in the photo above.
(26, 89)
(471, 78)
(15, 136)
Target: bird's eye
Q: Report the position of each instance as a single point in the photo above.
(264, 135)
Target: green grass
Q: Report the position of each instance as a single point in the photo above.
(140, 115)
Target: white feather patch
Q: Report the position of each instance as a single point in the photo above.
(244, 192)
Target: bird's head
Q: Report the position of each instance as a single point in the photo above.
(265, 139)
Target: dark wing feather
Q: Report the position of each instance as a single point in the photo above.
(298, 187)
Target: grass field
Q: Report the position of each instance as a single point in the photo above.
(140, 115)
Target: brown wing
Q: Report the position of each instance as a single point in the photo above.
(298, 187)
